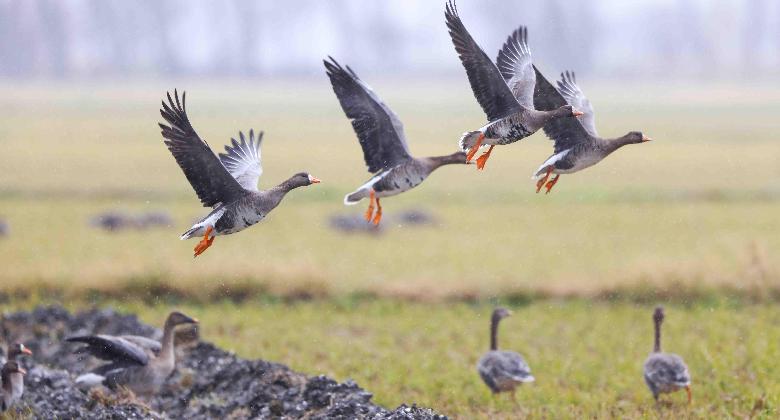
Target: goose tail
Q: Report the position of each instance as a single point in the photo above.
(468, 140)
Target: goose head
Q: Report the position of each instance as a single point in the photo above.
(177, 318)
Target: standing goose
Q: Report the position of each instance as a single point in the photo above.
(12, 378)
(502, 370)
(227, 183)
(665, 372)
(381, 135)
(137, 363)
(14, 350)
(577, 145)
(506, 95)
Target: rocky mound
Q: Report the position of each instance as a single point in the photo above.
(208, 382)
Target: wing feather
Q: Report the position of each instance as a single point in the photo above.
(566, 132)
(574, 96)
(242, 160)
(514, 62)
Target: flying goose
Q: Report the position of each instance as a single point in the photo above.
(502, 370)
(12, 378)
(137, 363)
(227, 183)
(505, 92)
(14, 350)
(665, 372)
(381, 135)
(577, 145)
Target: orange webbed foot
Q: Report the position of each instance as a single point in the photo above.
(483, 159)
(204, 243)
(474, 148)
(370, 212)
(540, 183)
(690, 394)
(551, 183)
(378, 216)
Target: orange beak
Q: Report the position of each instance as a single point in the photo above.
(26, 351)
(577, 113)
(22, 371)
(645, 138)
(314, 180)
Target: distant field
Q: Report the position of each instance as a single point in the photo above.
(587, 358)
(698, 206)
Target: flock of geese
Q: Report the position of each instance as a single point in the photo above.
(517, 100)
(142, 365)
(515, 96)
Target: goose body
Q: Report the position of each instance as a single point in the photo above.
(12, 384)
(665, 372)
(228, 182)
(503, 89)
(577, 144)
(382, 138)
(137, 363)
(502, 370)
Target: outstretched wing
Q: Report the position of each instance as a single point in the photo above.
(574, 96)
(489, 87)
(566, 132)
(514, 62)
(111, 348)
(380, 132)
(242, 160)
(208, 177)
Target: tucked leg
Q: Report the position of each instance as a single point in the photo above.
(204, 243)
(370, 211)
(378, 216)
(483, 159)
(551, 183)
(475, 147)
(540, 183)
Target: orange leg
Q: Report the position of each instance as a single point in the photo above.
(378, 216)
(205, 242)
(551, 183)
(370, 211)
(540, 183)
(483, 159)
(475, 147)
(690, 395)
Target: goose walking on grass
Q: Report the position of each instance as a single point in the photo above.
(12, 389)
(14, 351)
(227, 183)
(665, 372)
(137, 363)
(502, 370)
(577, 144)
(381, 135)
(505, 92)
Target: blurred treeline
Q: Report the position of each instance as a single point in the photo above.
(257, 38)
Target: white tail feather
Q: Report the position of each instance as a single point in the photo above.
(88, 380)
(468, 140)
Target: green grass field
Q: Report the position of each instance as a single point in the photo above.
(691, 218)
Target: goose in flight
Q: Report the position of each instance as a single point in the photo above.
(577, 144)
(381, 135)
(227, 183)
(505, 92)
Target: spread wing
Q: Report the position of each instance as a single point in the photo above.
(574, 96)
(566, 132)
(115, 349)
(489, 87)
(242, 160)
(514, 62)
(380, 132)
(203, 169)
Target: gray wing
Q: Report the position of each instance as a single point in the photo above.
(667, 369)
(115, 349)
(514, 62)
(566, 132)
(574, 96)
(242, 160)
(208, 177)
(379, 131)
(496, 365)
(148, 344)
(489, 87)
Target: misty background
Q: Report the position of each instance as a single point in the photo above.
(654, 39)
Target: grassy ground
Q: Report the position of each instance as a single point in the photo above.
(698, 205)
(587, 358)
